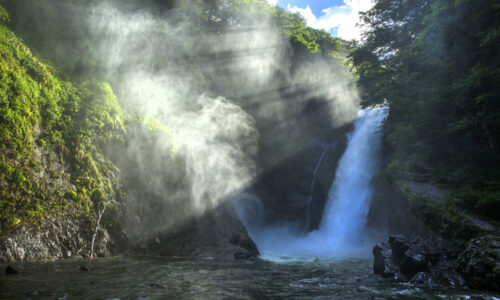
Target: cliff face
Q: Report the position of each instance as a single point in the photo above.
(218, 233)
(61, 194)
(54, 178)
(55, 238)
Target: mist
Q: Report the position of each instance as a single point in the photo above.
(226, 104)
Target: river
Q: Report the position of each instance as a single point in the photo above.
(179, 278)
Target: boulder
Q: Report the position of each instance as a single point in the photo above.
(399, 245)
(10, 270)
(413, 263)
(84, 268)
(400, 255)
(382, 260)
(480, 263)
(418, 260)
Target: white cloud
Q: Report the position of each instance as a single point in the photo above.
(305, 12)
(343, 18)
(272, 2)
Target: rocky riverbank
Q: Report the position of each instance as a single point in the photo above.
(216, 234)
(55, 239)
(432, 262)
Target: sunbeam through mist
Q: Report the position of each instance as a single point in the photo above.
(150, 62)
(210, 108)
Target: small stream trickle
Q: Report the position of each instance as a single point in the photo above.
(311, 187)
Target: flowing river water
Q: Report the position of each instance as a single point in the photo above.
(178, 278)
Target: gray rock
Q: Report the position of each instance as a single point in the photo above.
(399, 245)
(423, 278)
(56, 238)
(217, 234)
(413, 262)
(452, 279)
(418, 260)
(382, 262)
(243, 255)
(480, 263)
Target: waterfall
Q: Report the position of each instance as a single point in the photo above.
(342, 230)
(349, 197)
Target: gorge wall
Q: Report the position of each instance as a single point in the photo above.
(210, 111)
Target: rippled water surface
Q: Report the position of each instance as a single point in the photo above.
(176, 278)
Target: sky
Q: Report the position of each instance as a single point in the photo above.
(339, 17)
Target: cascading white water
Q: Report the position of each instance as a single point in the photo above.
(349, 198)
(342, 231)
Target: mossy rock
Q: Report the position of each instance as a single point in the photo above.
(480, 263)
(51, 138)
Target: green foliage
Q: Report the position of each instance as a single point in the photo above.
(4, 16)
(437, 63)
(483, 202)
(39, 115)
(444, 218)
(305, 40)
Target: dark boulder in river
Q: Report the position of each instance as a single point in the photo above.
(10, 270)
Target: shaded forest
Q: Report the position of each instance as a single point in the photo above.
(437, 64)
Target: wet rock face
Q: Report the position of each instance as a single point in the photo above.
(382, 263)
(417, 260)
(217, 234)
(55, 239)
(410, 256)
(399, 245)
(480, 263)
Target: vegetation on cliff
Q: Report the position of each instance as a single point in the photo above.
(50, 136)
(437, 63)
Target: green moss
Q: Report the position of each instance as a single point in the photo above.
(72, 195)
(40, 114)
